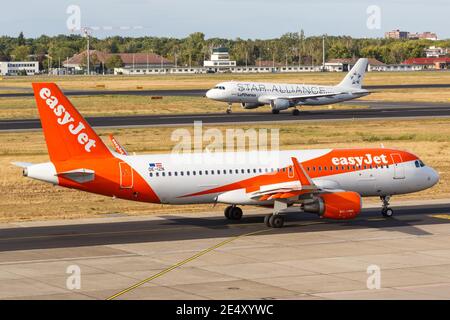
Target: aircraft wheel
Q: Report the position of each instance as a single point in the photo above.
(275, 111)
(228, 111)
(295, 112)
(276, 221)
(235, 213)
(227, 212)
(387, 212)
(267, 220)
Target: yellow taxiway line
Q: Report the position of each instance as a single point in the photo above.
(179, 264)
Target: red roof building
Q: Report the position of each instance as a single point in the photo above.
(430, 63)
(130, 60)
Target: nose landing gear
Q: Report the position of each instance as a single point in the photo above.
(229, 110)
(386, 211)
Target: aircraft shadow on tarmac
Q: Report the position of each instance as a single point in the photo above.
(175, 228)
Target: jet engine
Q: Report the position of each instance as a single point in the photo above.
(280, 104)
(336, 205)
(252, 105)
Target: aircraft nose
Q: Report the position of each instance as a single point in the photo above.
(433, 177)
(209, 94)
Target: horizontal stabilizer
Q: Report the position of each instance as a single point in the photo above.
(22, 164)
(78, 175)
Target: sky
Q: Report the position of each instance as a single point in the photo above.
(261, 19)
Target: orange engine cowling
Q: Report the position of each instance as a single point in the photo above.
(336, 205)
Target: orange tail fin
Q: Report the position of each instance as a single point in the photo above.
(66, 132)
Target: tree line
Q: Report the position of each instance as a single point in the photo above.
(291, 48)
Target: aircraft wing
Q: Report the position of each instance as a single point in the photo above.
(311, 96)
(299, 98)
(302, 185)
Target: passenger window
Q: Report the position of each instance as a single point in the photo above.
(242, 171)
(175, 173)
(206, 172)
(248, 171)
(151, 174)
(157, 174)
(181, 173)
(188, 173)
(193, 173)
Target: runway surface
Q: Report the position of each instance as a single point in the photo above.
(197, 92)
(308, 259)
(381, 110)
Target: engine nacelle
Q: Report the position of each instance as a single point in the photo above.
(252, 105)
(337, 205)
(280, 104)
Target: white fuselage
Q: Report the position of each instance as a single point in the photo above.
(255, 93)
(188, 180)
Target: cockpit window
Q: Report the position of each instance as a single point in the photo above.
(419, 163)
(219, 87)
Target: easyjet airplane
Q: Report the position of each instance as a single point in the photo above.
(329, 182)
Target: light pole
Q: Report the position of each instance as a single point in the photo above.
(323, 53)
(86, 32)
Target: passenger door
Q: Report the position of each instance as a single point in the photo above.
(399, 169)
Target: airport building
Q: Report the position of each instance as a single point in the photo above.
(429, 63)
(436, 52)
(133, 63)
(219, 60)
(344, 65)
(14, 68)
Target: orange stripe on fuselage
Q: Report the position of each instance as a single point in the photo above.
(361, 157)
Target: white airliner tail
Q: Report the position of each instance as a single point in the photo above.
(355, 77)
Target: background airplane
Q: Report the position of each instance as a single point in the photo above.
(279, 96)
(328, 182)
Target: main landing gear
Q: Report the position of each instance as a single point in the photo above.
(233, 213)
(295, 112)
(274, 220)
(275, 111)
(386, 211)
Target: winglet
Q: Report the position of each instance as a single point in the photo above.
(302, 176)
(117, 146)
